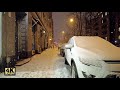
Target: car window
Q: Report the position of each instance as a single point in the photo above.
(71, 42)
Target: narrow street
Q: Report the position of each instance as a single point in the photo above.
(48, 64)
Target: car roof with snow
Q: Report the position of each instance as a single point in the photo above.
(91, 41)
(97, 45)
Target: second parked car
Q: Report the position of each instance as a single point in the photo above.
(62, 48)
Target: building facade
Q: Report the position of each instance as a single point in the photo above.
(7, 39)
(103, 24)
(24, 34)
(34, 33)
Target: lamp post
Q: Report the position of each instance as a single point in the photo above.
(63, 32)
(71, 20)
(50, 42)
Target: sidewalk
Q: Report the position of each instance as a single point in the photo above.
(24, 61)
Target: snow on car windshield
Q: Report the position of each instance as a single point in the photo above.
(92, 42)
(97, 45)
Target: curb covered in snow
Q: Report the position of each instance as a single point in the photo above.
(22, 62)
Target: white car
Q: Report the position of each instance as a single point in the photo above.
(92, 57)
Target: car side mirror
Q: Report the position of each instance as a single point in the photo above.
(68, 46)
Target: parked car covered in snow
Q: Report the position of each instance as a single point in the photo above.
(62, 48)
(92, 57)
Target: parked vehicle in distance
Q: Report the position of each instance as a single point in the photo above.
(92, 57)
(62, 48)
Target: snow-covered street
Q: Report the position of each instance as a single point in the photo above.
(48, 64)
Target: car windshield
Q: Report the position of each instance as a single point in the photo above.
(92, 42)
(97, 45)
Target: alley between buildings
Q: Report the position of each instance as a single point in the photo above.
(48, 64)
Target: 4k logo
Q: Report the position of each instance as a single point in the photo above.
(10, 71)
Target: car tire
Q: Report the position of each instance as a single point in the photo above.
(74, 73)
(66, 61)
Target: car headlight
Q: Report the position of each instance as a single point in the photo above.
(97, 63)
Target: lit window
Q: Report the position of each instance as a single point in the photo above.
(9, 14)
(102, 15)
(105, 13)
(43, 31)
(119, 37)
(105, 38)
(119, 29)
(102, 21)
(115, 41)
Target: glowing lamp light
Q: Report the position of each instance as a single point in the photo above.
(43, 31)
(71, 20)
(115, 41)
(63, 32)
(119, 37)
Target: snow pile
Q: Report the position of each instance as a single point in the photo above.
(61, 70)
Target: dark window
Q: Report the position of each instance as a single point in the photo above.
(104, 32)
(96, 34)
(96, 28)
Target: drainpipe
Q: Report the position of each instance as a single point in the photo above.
(0, 34)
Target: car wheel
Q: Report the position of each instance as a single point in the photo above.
(74, 71)
(66, 61)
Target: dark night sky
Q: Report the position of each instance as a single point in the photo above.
(59, 23)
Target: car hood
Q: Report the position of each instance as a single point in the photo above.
(111, 57)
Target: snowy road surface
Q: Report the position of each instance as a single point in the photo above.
(48, 64)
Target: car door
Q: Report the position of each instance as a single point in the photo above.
(68, 52)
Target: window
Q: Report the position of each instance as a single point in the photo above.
(9, 14)
(105, 13)
(96, 28)
(105, 38)
(71, 42)
(102, 15)
(104, 26)
(104, 32)
(96, 34)
(119, 37)
(119, 29)
(102, 21)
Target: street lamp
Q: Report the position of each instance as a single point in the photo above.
(62, 38)
(71, 19)
(43, 31)
(63, 32)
